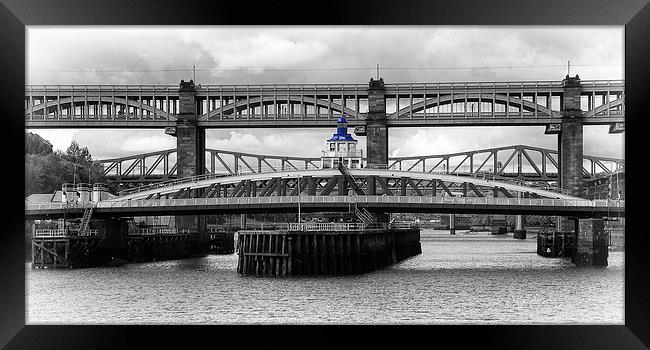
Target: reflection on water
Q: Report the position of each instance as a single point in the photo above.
(456, 279)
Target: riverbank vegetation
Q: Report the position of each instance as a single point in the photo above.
(46, 170)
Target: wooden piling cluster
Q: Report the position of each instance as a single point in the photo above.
(499, 225)
(407, 243)
(222, 242)
(519, 234)
(616, 231)
(70, 251)
(555, 243)
(282, 253)
(159, 247)
(591, 243)
(111, 240)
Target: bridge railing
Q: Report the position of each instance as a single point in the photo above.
(319, 200)
(57, 205)
(139, 203)
(280, 87)
(364, 87)
(107, 88)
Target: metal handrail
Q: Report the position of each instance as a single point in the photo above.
(89, 87)
(157, 231)
(325, 226)
(58, 205)
(139, 203)
(506, 84)
(363, 199)
(93, 232)
(50, 233)
(173, 88)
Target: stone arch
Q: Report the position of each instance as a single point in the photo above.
(256, 101)
(475, 97)
(116, 100)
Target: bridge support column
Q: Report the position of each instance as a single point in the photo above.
(242, 221)
(499, 224)
(570, 145)
(377, 135)
(190, 151)
(376, 125)
(190, 138)
(452, 224)
(590, 247)
(116, 236)
(519, 232)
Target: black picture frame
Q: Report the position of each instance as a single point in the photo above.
(16, 14)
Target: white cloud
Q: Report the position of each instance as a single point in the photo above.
(266, 51)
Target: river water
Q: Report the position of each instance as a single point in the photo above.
(462, 279)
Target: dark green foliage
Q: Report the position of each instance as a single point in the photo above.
(78, 155)
(45, 171)
(35, 144)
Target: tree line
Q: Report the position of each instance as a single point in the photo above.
(46, 170)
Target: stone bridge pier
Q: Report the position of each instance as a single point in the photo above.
(190, 144)
(377, 134)
(570, 146)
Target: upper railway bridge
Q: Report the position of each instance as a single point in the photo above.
(318, 105)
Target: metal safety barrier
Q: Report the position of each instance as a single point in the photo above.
(325, 226)
(50, 233)
(157, 231)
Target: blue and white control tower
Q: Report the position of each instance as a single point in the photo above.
(341, 148)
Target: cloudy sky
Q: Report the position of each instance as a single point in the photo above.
(253, 54)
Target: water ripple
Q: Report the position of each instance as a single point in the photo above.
(477, 279)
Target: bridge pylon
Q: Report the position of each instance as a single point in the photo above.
(570, 144)
(377, 134)
(190, 150)
(376, 125)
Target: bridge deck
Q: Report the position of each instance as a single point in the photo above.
(191, 206)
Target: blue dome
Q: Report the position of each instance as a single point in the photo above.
(338, 137)
(342, 132)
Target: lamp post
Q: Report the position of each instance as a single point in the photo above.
(65, 217)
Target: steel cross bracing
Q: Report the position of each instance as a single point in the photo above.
(319, 105)
(517, 162)
(327, 182)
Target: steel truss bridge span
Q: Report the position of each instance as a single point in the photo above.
(520, 162)
(319, 105)
(289, 204)
(328, 182)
